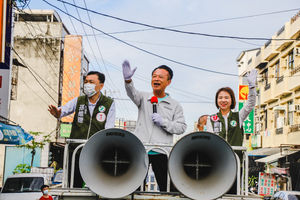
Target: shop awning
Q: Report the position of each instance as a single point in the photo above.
(11, 134)
(262, 152)
(275, 157)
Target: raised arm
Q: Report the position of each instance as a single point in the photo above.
(250, 103)
(132, 93)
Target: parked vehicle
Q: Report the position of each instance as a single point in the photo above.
(23, 186)
(287, 195)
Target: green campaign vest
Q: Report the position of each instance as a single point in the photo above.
(83, 127)
(234, 133)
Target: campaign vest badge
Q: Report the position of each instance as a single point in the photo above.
(233, 123)
(214, 118)
(102, 109)
(101, 117)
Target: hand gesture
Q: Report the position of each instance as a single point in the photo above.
(127, 72)
(54, 111)
(251, 78)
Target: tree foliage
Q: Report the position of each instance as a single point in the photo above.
(34, 144)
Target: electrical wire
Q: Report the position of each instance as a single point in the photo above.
(143, 50)
(175, 30)
(25, 64)
(94, 52)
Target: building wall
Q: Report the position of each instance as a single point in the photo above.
(40, 53)
(277, 113)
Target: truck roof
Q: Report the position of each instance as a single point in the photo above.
(27, 175)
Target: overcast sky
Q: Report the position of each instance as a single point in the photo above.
(195, 89)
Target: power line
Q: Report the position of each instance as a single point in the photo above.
(101, 56)
(33, 75)
(175, 30)
(207, 22)
(145, 51)
(93, 50)
(51, 64)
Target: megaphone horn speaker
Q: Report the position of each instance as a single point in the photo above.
(113, 163)
(202, 165)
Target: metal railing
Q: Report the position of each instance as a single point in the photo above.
(294, 128)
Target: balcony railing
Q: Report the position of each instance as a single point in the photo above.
(279, 79)
(279, 131)
(267, 86)
(295, 70)
(294, 128)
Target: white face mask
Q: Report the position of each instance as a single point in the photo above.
(89, 89)
(204, 128)
(45, 192)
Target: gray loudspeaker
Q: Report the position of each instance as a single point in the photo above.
(113, 163)
(202, 166)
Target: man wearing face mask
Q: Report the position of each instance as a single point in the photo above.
(93, 112)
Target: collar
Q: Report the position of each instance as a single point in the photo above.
(167, 99)
(96, 100)
(227, 115)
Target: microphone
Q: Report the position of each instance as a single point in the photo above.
(154, 101)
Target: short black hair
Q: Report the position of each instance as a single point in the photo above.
(44, 186)
(165, 67)
(201, 117)
(101, 76)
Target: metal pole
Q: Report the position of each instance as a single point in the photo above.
(238, 175)
(246, 172)
(73, 164)
(65, 166)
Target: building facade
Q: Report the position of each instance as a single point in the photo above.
(277, 112)
(38, 75)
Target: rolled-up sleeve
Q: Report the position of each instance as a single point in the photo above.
(68, 108)
(177, 125)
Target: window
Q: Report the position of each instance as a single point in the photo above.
(152, 187)
(267, 84)
(266, 119)
(152, 179)
(291, 59)
(290, 114)
(23, 184)
(277, 72)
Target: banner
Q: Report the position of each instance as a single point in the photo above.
(10, 134)
(72, 71)
(248, 124)
(65, 129)
(5, 57)
(266, 184)
(243, 92)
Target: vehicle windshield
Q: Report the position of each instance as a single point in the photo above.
(24, 184)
